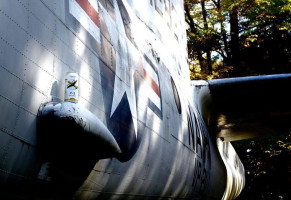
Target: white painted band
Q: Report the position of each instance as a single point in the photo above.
(84, 20)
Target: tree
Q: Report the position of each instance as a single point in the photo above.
(230, 38)
(267, 167)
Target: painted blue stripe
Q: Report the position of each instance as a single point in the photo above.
(155, 109)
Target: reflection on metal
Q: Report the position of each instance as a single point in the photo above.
(176, 95)
(250, 107)
(235, 170)
(131, 135)
(44, 173)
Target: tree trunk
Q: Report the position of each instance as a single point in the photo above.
(234, 43)
(224, 37)
(194, 30)
(225, 42)
(207, 50)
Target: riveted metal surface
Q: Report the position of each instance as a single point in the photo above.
(116, 50)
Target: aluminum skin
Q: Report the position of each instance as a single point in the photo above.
(140, 129)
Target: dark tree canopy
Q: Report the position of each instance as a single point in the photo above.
(267, 167)
(231, 38)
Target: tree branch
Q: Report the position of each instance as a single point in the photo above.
(190, 19)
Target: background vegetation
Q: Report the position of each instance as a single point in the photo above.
(231, 38)
(267, 167)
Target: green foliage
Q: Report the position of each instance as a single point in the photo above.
(267, 162)
(263, 44)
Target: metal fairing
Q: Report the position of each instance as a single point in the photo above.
(131, 135)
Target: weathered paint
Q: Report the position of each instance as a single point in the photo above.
(166, 151)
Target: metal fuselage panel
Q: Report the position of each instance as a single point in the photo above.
(125, 53)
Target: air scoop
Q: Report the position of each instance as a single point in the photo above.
(73, 137)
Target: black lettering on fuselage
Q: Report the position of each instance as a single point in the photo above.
(198, 137)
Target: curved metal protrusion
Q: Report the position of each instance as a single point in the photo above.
(235, 170)
(73, 139)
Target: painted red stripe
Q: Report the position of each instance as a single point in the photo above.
(151, 82)
(89, 9)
